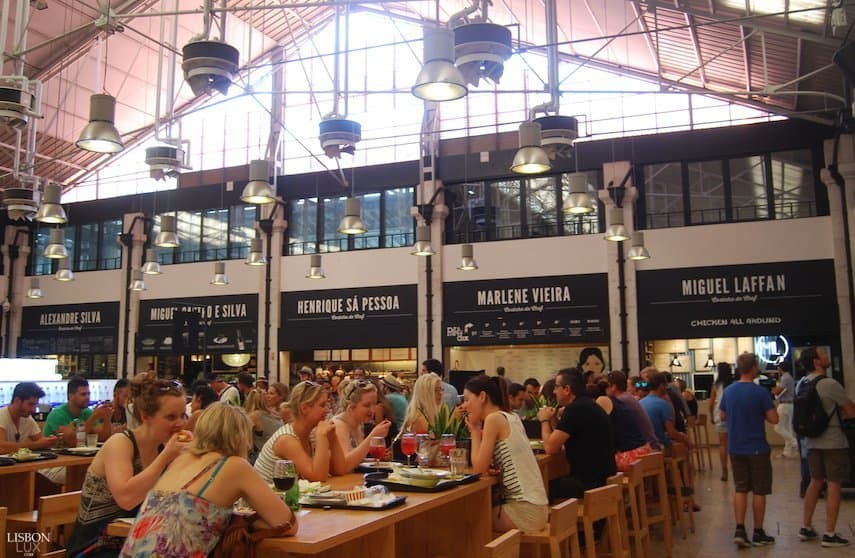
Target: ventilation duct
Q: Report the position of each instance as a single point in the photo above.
(165, 161)
(21, 203)
(480, 51)
(339, 135)
(557, 134)
(209, 66)
(17, 101)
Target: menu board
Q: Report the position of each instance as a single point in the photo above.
(69, 329)
(349, 318)
(558, 309)
(223, 324)
(785, 298)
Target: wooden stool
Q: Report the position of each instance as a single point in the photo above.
(562, 527)
(634, 525)
(59, 510)
(506, 546)
(3, 512)
(679, 486)
(652, 466)
(701, 440)
(603, 503)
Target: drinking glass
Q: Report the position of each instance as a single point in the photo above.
(377, 448)
(409, 446)
(458, 461)
(447, 443)
(424, 450)
(284, 474)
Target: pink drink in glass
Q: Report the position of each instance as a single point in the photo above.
(408, 446)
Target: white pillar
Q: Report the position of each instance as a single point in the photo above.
(127, 298)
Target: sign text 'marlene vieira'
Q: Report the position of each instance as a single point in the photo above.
(535, 295)
(736, 285)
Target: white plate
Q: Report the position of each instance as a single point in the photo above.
(83, 449)
(423, 474)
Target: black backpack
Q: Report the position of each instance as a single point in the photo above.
(809, 417)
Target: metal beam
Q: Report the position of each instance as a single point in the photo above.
(693, 35)
(636, 10)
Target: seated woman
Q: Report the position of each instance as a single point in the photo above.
(203, 397)
(190, 506)
(498, 437)
(263, 410)
(309, 441)
(128, 465)
(358, 399)
(424, 405)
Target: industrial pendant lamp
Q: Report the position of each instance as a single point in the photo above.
(352, 222)
(422, 246)
(63, 271)
(637, 251)
(258, 190)
(616, 232)
(137, 283)
(315, 269)
(220, 274)
(530, 158)
(100, 135)
(35, 290)
(50, 211)
(675, 361)
(151, 266)
(439, 79)
(55, 248)
(579, 202)
(255, 257)
(167, 237)
(467, 258)
(710, 362)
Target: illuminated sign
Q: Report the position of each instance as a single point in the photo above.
(771, 349)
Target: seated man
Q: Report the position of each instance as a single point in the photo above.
(18, 430)
(584, 431)
(658, 406)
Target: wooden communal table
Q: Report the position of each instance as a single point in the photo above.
(552, 467)
(18, 481)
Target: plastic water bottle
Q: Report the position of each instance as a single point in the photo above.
(81, 433)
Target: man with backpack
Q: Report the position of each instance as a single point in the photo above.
(820, 405)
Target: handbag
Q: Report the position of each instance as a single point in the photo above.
(239, 538)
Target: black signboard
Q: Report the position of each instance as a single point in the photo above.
(559, 309)
(350, 318)
(786, 298)
(223, 324)
(69, 329)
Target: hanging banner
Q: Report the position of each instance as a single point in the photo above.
(559, 309)
(223, 324)
(787, 298)
(350, 318)
(69, 329)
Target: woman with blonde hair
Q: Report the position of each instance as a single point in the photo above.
(424, 405)
(265, 420)
(190, 506)
(357, 399)
(309, 441)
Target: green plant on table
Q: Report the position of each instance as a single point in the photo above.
(447, 422)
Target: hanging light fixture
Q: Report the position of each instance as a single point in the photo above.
(220, 274)
(422, 246)
(616, 232)
(35, 290)
(63, 271)
(439, 79)
(467, 258)
(675, 361)
(137, 283)
(167, 237)
(710, 362)
(579, 202)
(100, 135)
(352, 223)
(55, 248)
(258, 190)
(255, 257)
(530, 158)
(637, 251)
(315, 269)
(50, 211)
(151, 266)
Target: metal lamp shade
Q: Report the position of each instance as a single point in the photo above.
(220, 274)
(637, 251)
(255, 257)
(137, 283)
(50, 211)
(315, 269)
(167, 237)
(151, 266)
(579, 202)
(35, 290)
(63, 271)
(352, 223)
(467, 258)
(258, 190)
(439, 79)
(422, 246)
(55, 248)
(100, 135)
(530, 158)
(616, 232)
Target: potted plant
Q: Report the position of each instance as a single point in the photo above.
(530, 422)
(446, 422)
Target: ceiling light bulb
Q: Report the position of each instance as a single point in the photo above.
(315, 269)
(530, 158)
(258, 190)
(167, 237)
(616, 232)
(467, 258)
(55, 248)
(151, 266)
(439, 79)
(422, 246)
(100, 135)
(50, 211)
(352, 223)
(220, 274)
(638, 251)
(35, 290)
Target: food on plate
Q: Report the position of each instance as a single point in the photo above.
(23, 453)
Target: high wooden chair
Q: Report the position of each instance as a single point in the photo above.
(699, 430)
(561, 531)
(634, 525)
(656, 508)
(56, 514)
(680, 489)
(3, 512)
(606, 503)
(506, 546)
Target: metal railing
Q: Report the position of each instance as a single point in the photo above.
(760, 212)
(355, 242)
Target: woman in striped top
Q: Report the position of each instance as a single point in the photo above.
(498, 439)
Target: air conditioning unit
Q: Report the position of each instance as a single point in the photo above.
(17, 101)
(339, 135)
(557, 134)
(165, 161)
(21, 203)
(480, 51)
(209, 66)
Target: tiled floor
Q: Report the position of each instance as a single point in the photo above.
(715, 524)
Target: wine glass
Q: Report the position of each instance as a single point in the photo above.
(447, 443)
(284, 474)
(377, 448)
(408, 447)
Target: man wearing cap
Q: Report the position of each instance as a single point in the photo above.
(227, 393)
(306, 374)
(392, 388)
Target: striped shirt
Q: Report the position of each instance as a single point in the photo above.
(267, 457)
(520, 474)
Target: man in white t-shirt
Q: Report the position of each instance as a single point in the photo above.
(17, 427)
(228, 394)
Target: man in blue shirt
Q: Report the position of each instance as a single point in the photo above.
(745, 406)
(658, 407)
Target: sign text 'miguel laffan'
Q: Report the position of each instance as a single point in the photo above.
(70, 318)
(530, 295)
(735, 285)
